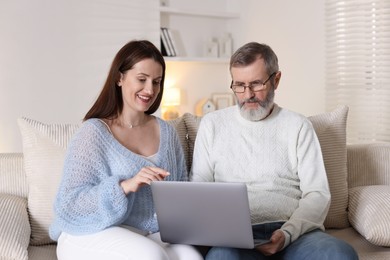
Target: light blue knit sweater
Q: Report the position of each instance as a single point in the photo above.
(90, 198)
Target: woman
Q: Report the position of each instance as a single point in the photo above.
(104, 207)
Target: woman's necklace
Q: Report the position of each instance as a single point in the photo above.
(130, 125)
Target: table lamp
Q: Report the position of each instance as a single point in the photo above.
(170, 103)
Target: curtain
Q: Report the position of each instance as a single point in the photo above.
(358, 66)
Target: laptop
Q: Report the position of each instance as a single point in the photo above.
(204, 214)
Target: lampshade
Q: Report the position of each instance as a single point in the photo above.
(171, 97)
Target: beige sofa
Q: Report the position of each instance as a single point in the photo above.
(359, 179)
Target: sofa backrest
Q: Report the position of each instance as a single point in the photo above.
(12, 176)
(368, 164)
(330, 128)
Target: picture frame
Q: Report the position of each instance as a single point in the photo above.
(222, 100)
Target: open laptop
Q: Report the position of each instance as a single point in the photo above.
(204, 213)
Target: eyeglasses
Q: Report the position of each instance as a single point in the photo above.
(254, 86)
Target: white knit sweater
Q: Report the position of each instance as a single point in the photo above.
(280, 160)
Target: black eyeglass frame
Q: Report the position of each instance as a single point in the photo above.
(250, 86)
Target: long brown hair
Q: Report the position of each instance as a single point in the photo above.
(109, 104)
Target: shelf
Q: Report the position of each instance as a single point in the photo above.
(194, 30)
(198, 59)
(222, 15)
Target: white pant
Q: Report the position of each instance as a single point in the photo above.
(119, 243)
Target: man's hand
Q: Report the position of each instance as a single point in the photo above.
(276, 244)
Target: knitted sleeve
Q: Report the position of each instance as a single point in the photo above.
(315, 200)
(89, 197)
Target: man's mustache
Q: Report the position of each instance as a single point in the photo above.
(254, 100)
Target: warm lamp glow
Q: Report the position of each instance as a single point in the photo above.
(171, 97)
(170, 102)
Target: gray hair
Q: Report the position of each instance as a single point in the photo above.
(250, 52)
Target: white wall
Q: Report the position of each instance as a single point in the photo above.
(54, 55)
(295, 31)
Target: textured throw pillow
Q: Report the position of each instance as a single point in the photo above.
(44, 147)
(331, 131)
(187, 126)
(14, 227)
(369, 213)
(192, 124)
(181, 130)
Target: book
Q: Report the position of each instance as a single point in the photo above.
(163, 50)
(171, 41)
(164, 44)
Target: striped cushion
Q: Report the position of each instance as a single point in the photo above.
(331, 131)
(369, 212)
(44, 149)
(14, 227)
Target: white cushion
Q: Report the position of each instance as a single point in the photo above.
(331, 131)
(14, 227)
(369, 212)
(44, 147)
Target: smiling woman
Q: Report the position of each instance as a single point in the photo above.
(111, 161)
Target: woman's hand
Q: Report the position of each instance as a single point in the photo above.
(144, 177)
(276, 244)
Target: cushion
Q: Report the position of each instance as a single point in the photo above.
(331, 131)
(181, 130)
(369, 213)
(187, 126)
(192, 124)
(14, 227)
(44, 147)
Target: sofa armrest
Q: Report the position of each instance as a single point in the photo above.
(368, 164)
(12, 176)
(15, 228)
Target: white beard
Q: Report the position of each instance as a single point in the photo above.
(264, 109)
